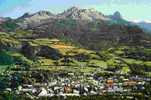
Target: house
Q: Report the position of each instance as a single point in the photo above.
(52, 83)
(110, 89)
(118, 89)
(43, 93)
(58, 89)
(70, 94)
(130, 83)
(109, 83)
(141, 82)
(50, 91)
(19, 88)
(76, 91)
(93, 92)
(68, 89)
(101, 87)
(26, 88)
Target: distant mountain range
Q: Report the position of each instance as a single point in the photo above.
(78, 14)
(145, 25)
(75, 13)
(88, 27)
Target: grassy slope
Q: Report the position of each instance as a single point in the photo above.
(108, 59)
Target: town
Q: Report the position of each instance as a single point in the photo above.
(86, 84)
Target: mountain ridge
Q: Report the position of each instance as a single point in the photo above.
(83, 26)
(144, 25)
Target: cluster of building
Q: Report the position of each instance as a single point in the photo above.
(89, 84)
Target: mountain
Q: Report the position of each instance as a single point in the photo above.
(116, 16)
(145, 25)
(86, 27)
(37, 16)
(38, 48)
(33, 20)
(2, 19)
(73, 13)
(83, 14)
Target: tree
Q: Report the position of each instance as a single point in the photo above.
(5, 59)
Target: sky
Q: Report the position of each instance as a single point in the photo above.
(134, 10)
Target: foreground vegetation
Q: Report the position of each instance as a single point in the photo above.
(42, 56)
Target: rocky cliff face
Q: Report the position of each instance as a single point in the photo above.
(87, 27)
(33, 20)
(83, 14)
(116, 16)
(43, 17)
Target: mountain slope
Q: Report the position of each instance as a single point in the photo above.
(90, 28)
(87, 27)
(145, 25)
(82, 14)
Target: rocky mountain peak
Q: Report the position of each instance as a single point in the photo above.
(44, 13)
(117, 15)
(25, 15)
(38, 18)
(73, 9)
(71, 12)
(83, 14)
(41, 14)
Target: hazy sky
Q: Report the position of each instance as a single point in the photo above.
(130, 9)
